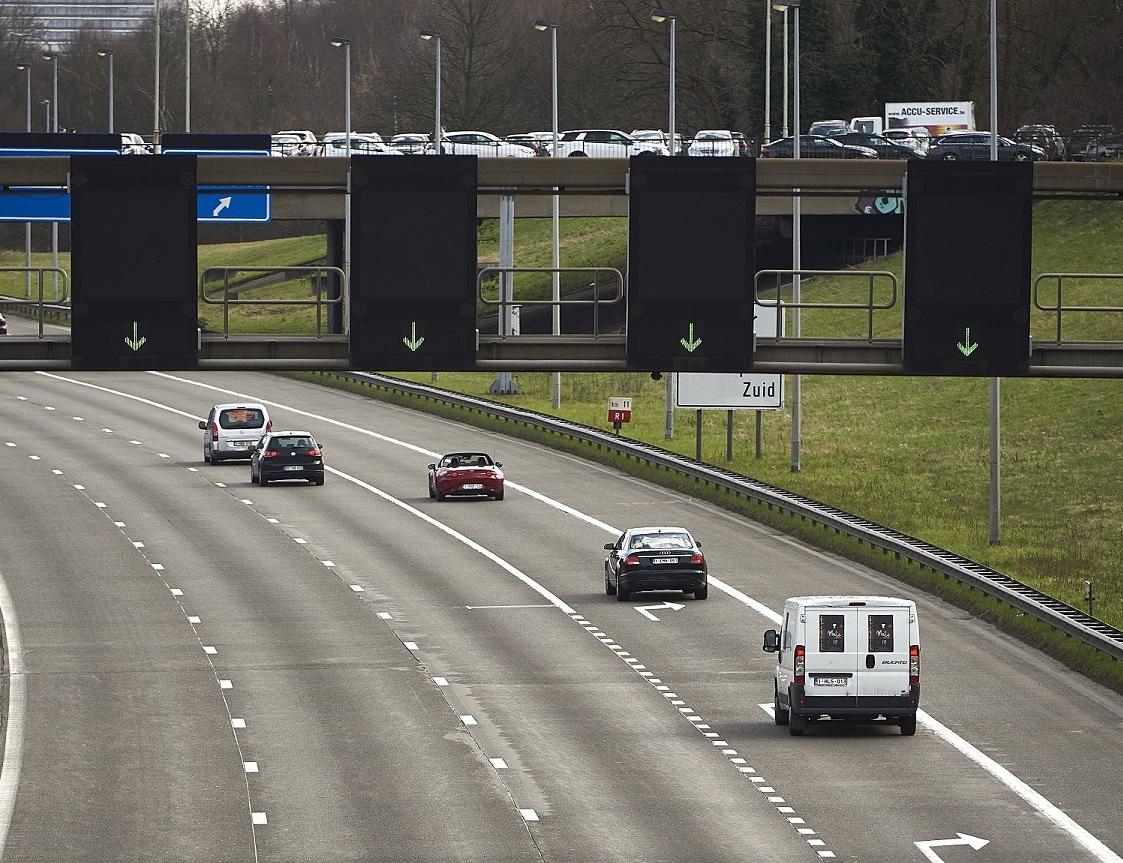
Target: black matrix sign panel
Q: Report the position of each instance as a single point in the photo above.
(967, 267)
(691, 262)
(413, 263)
(134, 263)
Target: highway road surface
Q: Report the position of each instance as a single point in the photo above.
(203, 669)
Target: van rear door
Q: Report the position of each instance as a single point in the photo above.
(833, 642)
(883, 636)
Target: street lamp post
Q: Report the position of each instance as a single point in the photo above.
(551, 27)
(659, 16)
(53, 126)
(47, 103)
(26, 67)
(436, 39)
(109, 54)
(994, 532)
(345, 44)
(781, 7)
(767, 70)
(156, 88)
(187, 66)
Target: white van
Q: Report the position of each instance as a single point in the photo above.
(232, 430)
(847, 657)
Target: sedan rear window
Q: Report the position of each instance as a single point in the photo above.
(241, 418)
(655, 541)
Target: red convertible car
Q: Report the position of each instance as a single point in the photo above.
(466, 474)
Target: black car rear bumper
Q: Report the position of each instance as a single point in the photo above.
(678, 579)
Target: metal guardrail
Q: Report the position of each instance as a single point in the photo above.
(869, 306)
(316, 273)
(1059, 615)
(41, 303)
(1059, 308)
(595, 301)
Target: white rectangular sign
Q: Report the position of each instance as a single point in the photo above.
(752, 392)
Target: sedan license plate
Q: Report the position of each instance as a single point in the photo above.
(655, 561)
(831, 681)
(294, 467)
(472, 486)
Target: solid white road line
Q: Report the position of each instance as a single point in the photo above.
(1031, 797)
(17, 705)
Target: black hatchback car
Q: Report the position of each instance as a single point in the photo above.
(287, 455)
(655, 558)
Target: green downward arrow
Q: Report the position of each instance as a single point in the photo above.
(690, 343)
(135, 343)
(967, 347)
(413, 342)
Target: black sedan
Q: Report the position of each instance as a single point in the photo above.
(975, 146)
(655, 558)
(815, 147)
(287, 455)
(884, 147)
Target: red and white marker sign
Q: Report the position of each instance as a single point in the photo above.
(619, 410)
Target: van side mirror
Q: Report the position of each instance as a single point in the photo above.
(203, 425)
(771, 641)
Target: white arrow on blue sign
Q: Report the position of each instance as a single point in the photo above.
(229, 204)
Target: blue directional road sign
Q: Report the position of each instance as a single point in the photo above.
(45, 204)
(229, 204)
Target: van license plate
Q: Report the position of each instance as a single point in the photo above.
(658, 560)
(831, 681)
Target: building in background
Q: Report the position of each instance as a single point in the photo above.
(58, 23)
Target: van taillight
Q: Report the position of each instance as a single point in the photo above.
(800, 667)
(214, 431)
(914, 664)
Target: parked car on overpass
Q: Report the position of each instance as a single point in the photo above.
(885, 148)
(976, 146)
(482, 144)
(539, 142)
(605, 144)
(713, 142)
(815, 147)
(410, 143)
(335, 144)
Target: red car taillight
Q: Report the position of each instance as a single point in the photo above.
(697, 559)
(800, 668)
(270, 453)
(914, 664)
(631, 560)
(214, 431)
(314, 452)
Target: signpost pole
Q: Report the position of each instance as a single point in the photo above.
(759, 433)
(995, 489)
(698, 434)
(669, 406)
(27, 227)
(796, 250)
(729, 435)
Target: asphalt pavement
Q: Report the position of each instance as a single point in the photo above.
(357, 672)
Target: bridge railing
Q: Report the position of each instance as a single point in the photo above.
(41, 304)
(506, 298)
(870, 306)
(317, 274)
(1059, 308)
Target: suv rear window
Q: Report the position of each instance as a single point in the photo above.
(241, 418)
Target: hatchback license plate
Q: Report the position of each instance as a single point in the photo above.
(831, 681)
(472, 486)
(294, 467)
(658, 560)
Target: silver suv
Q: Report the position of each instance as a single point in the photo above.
(232, 430)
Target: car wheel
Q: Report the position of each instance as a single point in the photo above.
(621, 593)
(253, 478)
(1021, 157)
(432, 493)
(950, 157)
(796, 724)
(608, 588)
(499, 495)
(578, 154)
(319, 481)
(779, 714)
(908, 725)
(439, 496)
(702, 592)
(261, 480)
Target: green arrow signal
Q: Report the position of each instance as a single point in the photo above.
(135, 343)
(690, 343)
(413, 342)
(966, 347)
